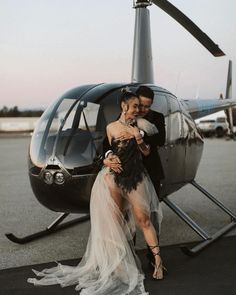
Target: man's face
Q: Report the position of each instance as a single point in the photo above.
(144, 105)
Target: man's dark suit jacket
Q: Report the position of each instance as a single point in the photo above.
(151, 162)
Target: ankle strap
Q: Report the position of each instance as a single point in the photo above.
(153, 247)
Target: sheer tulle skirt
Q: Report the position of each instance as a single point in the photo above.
(109, 265)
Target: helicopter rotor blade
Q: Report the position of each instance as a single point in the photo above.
(190, 26)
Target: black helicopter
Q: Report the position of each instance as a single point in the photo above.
(68, 140)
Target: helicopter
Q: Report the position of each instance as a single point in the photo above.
(67, 142)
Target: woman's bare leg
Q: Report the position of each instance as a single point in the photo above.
(115, 191)
(149, 233)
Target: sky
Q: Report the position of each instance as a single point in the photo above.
(50, 46)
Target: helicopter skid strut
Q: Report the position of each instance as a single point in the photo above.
(53, 227)
(207, 240)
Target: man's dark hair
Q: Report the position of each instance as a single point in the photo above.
(145, 91)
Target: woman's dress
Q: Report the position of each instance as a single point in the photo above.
(110, 264)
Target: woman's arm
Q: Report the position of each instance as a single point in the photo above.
(112, 161)
(143, 147)
(108, 131)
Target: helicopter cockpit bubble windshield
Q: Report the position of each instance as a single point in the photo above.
(69, 132)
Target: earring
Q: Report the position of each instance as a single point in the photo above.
(124, 112)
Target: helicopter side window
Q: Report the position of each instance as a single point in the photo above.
(173, 104)
(190, 128)
(174, 130)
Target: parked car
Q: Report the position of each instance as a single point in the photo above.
(218, 127)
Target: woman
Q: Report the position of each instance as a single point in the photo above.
(118, 201)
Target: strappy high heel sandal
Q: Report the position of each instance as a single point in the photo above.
(158, 267)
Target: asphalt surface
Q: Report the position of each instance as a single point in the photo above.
(211, 272)
(21, 214)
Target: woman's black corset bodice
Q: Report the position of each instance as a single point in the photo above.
(131, 161)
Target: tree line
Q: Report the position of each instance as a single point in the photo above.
(15, 112)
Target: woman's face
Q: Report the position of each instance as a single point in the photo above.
(131, 108)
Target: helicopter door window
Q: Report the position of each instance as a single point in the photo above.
(159, 104)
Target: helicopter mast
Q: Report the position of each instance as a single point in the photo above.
(142, 65)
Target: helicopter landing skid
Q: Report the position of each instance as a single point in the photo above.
(207, 240)
(53, 227)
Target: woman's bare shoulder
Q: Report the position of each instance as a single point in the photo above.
(111, 125)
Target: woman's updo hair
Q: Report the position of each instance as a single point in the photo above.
(126, 95)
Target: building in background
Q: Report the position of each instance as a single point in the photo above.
(17, 124)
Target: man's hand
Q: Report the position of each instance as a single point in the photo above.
(113, 162)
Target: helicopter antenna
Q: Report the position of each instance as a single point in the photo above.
(142, 66)
(177, 83)
(228, 95)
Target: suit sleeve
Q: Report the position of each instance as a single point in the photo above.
(99, 159)
(105, 146)
(159, 138)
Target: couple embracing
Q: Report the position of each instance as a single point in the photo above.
(124, 194)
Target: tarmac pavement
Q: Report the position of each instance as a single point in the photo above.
(21, 214)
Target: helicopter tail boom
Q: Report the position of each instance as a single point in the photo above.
(199, 108)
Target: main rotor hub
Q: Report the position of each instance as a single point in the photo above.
(141, 3)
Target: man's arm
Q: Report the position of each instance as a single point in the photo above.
(106, 147)
(162, 130)
(157, 139)
(109, 159)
